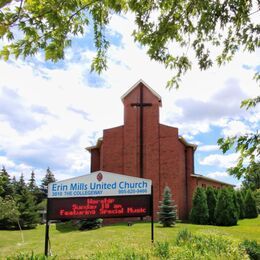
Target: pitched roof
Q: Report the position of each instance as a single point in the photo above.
(136, 85)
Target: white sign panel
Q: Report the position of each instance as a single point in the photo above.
(99, 184)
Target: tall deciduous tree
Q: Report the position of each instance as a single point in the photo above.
(9, 213)
(167, 209)
(199, 212)
(194, 26)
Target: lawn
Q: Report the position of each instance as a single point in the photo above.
(68, 243)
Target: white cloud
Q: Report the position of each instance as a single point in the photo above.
(235, 127)
(208, 148)
(217, 175)
(219, 160)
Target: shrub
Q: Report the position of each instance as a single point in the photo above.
(183, 236)
(226, 213)
(167, 209)
(211, 202)
(241, 203)
(31, 256)
(252, 248)
(250, 205)
(90, 224)
(191, 246)
(199, 212)
(162, 250)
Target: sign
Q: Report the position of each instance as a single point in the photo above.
(99, 207)
(99, 195)
(99, 184)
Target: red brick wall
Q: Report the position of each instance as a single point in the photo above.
(95, 160)
(113, 150)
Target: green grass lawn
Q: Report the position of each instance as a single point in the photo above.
(67, 242)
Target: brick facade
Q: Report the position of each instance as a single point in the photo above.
(167, 158)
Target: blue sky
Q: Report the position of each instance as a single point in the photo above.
(49, 113)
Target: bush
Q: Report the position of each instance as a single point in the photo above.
(250, 206)
(183, 236)
(31, 256)
(211, 202)
(90, 224)
(199, 212)
(191, 246)
(252, 248)
(241, 203)
(162, 250)
(226, 212)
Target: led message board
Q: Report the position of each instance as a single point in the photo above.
(99, 207)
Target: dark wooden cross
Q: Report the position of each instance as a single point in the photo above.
(141, 105)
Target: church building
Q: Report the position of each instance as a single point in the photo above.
(144, 148)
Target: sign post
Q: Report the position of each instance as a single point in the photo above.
(99, 195)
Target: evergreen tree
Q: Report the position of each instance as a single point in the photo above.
(20, 185)
(199, 212)
(167, 209)
(6, 188)
(226, 212)
(250, 205)
(241, 203)
(235, 199)
(48, 178)
(32, 183)
(29, 217)
(34, 189)
(211, 202)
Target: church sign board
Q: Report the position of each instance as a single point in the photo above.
(98, 195)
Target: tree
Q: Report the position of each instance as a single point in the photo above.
(34, 189)
(6, 188)
(48, 178)
(250, 205)
(252, 181)
(32, 183)
(225, 213)
(29, 216)
(167, 209)
(211, 202)
(9, 213)
(257, 199)
(194, 26)
(248, 147)
(241, 204)
(199, 212)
